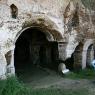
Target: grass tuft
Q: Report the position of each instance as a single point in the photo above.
(82, 74)
(11, 86)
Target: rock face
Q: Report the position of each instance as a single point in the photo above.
(68, 23)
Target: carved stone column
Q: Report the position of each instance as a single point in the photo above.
(3, 65)
(10, 67)
(61, 49)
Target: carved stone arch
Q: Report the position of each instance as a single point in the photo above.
(88, 43)
(45, 28)
(48, 35)
(48, 27)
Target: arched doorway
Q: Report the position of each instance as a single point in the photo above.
(90, 55)
(70, 63)
(32, 49)
(87, 52)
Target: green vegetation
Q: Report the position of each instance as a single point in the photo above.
(11, 86)
(82, 74)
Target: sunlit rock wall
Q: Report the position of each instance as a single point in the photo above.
(72, 20)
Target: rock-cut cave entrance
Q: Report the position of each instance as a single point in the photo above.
(34, 52)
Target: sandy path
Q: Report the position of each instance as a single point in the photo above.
(44, 78)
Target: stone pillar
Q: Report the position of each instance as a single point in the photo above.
(91, 55)
(10, 67)
(61, 49)
(84, 58)
(85, 55)
(3, 65)
(77, 59)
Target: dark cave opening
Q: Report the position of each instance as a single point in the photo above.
(70, 63)
(34, 51)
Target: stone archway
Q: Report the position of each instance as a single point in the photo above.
(32, 48)
(86, 46)
(90, 55)
(46, 26)
(83, 54)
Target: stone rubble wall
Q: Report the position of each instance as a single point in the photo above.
(55, 15)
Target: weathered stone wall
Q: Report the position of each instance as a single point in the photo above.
(65, 21)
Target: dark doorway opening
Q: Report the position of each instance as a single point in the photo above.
(34, 51)
(90, 55)
(70, 63)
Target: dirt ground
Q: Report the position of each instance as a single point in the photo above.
(45, 78)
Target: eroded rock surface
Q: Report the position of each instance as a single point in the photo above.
(68, 22)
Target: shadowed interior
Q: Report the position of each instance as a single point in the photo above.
(33, 50)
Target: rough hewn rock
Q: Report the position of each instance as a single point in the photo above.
(63, 21)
